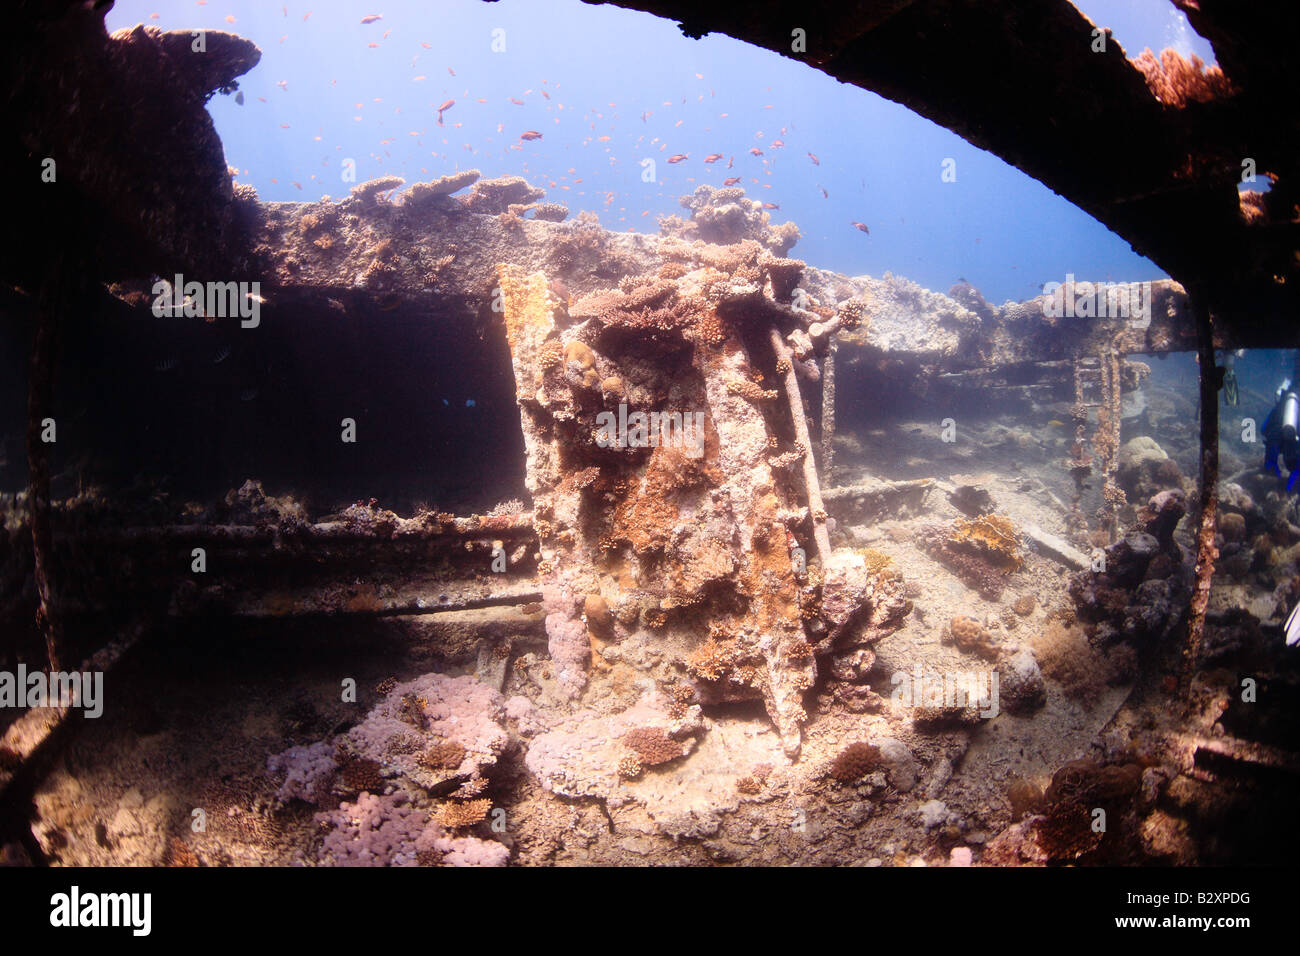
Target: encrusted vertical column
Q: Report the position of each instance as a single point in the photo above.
(1109, 418)
(817, 509)
(1209, 491)
(828, 413)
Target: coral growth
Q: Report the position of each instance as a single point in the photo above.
(390, 831)
(373, 190)
(854, 762)
(494, 197)
(1175, 82)
(652, 745)
(724, 216)
(422, 194)
(970, 635)
(992, 537)
(1066, 657)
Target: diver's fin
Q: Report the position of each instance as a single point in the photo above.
(1293, 627)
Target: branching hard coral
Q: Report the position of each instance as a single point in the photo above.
(495, 196)
(457, 815)
(425, 193)
(710, 661)
(1175, 81)
(370, 191)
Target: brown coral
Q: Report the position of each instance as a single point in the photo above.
(854, 762)
(445, 755)
(970, 635)
(652, 745)
(466, 814)
(363, 774)
(1065, 656)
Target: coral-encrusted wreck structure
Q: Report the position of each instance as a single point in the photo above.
(687, 530)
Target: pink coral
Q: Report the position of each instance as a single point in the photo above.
(389, 831)
(309, 772)
(463, 709)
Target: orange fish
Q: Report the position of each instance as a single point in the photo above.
(451, 71)
(770, 205)
(372, 18)
(861, 227)
(731, 181)
(516, 102)
(373, 45)
(306, 15)
(777, 143)
(755, 151)
(443, 108)
(712, 157)
(825, 194)
(545, 94)
(816, 161)
(425, 45)
(731, 162)
(417, 79)
(530, 134)
(678, 158)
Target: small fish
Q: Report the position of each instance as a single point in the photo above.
(530, 134)
(372, 18)
(1057, 422)
(248, 394)
(678, 158)
(770, 205)
(861, 227)
(816, 161)
(283, 84)
(545, 94)
(223, 353)
(712, 157)
(825, 194)
(645, 116)
(373, 45)
(166, 365)
(239, 97)
(731, 162)
(731, 180)
(516, 102)
(469, 403)
(755, 151)
(426, 45)
(451, 71)
(443, 108)
(777, 143)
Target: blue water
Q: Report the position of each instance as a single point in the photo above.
(608, 88)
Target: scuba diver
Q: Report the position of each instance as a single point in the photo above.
(1282, 457)
(1282, 432)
